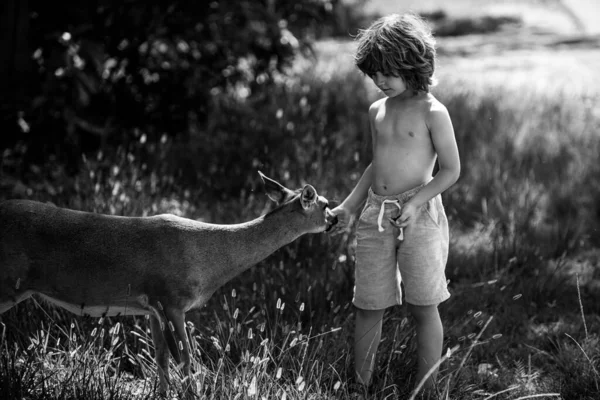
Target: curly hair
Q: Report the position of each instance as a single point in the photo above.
(400, 46)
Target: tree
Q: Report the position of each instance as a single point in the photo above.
(105, 73)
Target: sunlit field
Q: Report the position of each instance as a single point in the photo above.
(524, 315)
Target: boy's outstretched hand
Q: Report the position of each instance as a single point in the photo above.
(343, 220)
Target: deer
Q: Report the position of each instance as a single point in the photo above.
(161, 266)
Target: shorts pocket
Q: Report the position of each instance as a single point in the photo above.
(364, 210)
(432, 210)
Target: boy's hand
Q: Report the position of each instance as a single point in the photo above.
(343, 220)
(409, 213)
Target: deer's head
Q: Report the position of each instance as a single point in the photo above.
(314, 209)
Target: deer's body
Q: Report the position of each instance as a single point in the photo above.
(97, 265)
(57, 253)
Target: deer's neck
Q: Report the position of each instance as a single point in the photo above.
(253, 241)
(262, 237)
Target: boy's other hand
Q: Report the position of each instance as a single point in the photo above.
(409, 213)
(343, 220)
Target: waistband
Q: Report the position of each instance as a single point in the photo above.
(401, 198)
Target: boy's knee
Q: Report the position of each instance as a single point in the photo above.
(423, 313)
(369, 314)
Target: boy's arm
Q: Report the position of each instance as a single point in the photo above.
(361, 190)
(348, 207)
(444, 142)
(359, 193)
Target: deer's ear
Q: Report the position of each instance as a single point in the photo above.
(308, 196)
(276, 192)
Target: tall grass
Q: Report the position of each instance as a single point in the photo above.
(524, 221)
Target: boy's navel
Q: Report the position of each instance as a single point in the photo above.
(411, 133)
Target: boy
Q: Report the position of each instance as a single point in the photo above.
(402, 232)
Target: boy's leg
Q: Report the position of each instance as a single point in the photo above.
(430, 336)
(367, 334)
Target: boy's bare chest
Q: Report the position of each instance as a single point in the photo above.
(400, 127)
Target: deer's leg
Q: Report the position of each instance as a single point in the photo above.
(181, 347)
(161, 352)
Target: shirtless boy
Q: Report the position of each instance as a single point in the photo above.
(402, 232)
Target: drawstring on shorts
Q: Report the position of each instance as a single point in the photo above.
(380, 218)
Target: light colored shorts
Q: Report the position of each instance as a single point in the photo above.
(418, 259)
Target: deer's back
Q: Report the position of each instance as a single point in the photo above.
(63, 253)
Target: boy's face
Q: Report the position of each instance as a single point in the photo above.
(391, 86)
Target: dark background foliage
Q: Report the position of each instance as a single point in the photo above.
(102, 75)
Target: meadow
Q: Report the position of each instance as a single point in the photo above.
(524, 273)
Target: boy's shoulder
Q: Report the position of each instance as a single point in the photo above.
(428, 101)
(433, 103)
(431, 106)
(376, 105)
(424, 102)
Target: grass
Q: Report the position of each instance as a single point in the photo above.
(523, 318)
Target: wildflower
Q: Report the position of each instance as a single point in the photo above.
(252, 387)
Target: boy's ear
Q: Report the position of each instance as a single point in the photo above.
(308, 196)
(276, 192)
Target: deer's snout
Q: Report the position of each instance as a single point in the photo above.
(331, 219)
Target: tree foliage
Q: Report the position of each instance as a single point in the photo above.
(109, 73)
